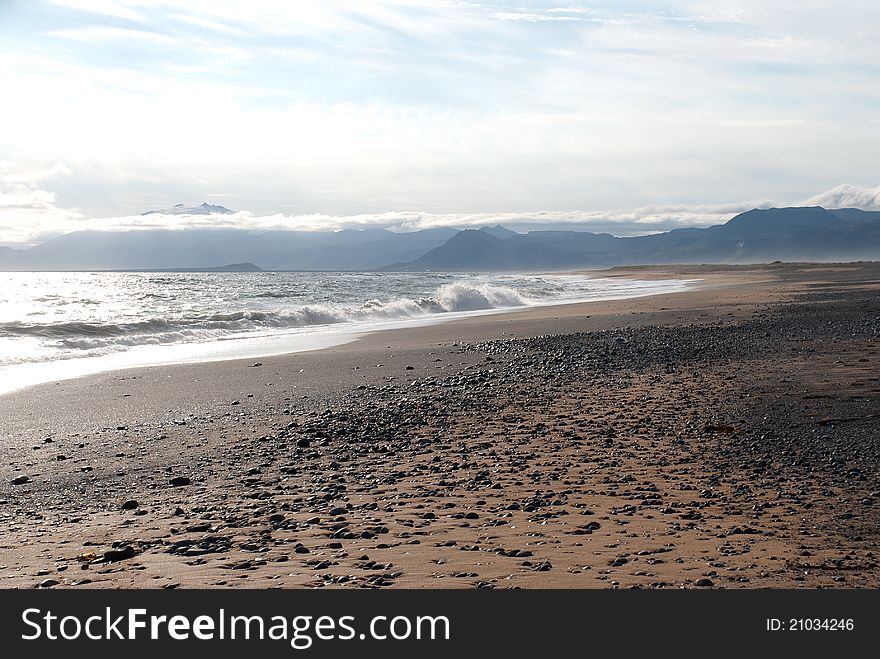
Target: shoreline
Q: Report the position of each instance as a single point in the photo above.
(430, 434)
(294, 340)
(212, 375)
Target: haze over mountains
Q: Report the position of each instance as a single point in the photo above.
(757, 236)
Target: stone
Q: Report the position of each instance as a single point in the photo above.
(120, 554)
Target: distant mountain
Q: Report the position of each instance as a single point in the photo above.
(351, 249)
(13, 259)
(499, 231)
(232, 267)
(856, 215)
(780, 222)
(203, 209)
(164, 249)
(756, 236)
(479, 250)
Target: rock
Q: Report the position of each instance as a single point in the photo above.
(211, 544)
(704, 582)
(179, 481)
(48, 583)
(303, 442)
(21, 480)
(131, 504)
(120, 554)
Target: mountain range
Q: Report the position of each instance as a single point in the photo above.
(756, 236)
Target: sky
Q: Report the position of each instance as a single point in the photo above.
(627, 116)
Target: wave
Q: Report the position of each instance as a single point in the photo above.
(84, 337)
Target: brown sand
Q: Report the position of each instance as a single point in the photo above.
(333, 468)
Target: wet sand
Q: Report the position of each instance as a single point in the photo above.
(722, 437)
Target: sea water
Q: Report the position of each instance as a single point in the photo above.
(65, 324)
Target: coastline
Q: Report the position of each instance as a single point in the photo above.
(255, 344)
(226, 426)
(204, 384)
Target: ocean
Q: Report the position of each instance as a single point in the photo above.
(65, 324)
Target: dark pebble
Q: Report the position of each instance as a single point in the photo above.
(119, 554)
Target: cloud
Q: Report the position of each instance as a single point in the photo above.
(92, 35)
(26, 209)
(848, 196)
(101, 7)
(638, 221)
(29, 214)
(531, 17)
(444, 106)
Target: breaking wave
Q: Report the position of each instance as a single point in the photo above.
(48, 317)
(98, 337)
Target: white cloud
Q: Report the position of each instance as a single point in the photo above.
(27, 211)
(848, 196)
(348, 108)
(530, 17)
(29, 214)
(110, 8)
(92, 35)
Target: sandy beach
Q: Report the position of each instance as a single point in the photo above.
(724, 437)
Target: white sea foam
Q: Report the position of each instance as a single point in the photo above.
(56, 317)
